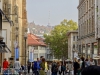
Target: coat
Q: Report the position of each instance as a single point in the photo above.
(42, 71)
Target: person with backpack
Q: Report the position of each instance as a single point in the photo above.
(54, 68)
(63, 69)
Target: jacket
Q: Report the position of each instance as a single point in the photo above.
(17, 65)
(36, 65)
(5, 65)
(46, 67)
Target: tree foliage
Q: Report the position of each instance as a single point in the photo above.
(57, 39)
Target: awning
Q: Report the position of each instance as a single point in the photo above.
(4, 49)
(7, 49)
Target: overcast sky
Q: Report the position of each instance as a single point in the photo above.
(38, 11)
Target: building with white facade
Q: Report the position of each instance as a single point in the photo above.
(36, 46)
(72, 44)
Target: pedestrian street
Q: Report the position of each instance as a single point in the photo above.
(47, 73)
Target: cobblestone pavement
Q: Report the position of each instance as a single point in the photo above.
(49, 74)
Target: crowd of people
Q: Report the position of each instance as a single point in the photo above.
(42, 67)
(39, 67)
(80, 64)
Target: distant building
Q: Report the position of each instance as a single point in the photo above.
(72, 44)
(37, 46)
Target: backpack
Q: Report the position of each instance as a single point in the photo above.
(55, 68)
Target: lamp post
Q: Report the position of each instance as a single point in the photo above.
(25, 37)
(28, 55)
(73, 55)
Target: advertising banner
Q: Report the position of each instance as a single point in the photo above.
(31, 59)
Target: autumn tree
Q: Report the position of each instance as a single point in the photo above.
(57, 39)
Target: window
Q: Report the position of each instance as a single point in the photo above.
(35, 56)
(42, 54)
(42, 48)
(4, 35)
(48, 56)
(35, 47)
(77, 37)
(73, 38)
(87, 5)
(73, 46)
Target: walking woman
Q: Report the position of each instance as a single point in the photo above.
(42, 67)
(60, 68)
(79, 69)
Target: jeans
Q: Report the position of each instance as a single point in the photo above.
(36, 72)
(54, 73)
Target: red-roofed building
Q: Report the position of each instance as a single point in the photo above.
(37, 46)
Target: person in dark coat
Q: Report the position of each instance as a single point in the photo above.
(76, 66)
(29, 67)
(54, 68)
(33, 67)
(83, 63)
(91, 70)
(63, 67)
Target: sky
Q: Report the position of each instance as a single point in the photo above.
(40, 11)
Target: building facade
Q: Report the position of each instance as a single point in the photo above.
(97, 24)
(18, 30)
(36, 46)
(5, 28)
(86, 28)
(15, 11)
(72, 44)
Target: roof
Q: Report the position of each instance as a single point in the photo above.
(35, 41)
(74, 31)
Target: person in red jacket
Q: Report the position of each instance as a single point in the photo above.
(5, 64)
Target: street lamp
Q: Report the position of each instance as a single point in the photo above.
(73, 54)
(25, 37)
(28, 55)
